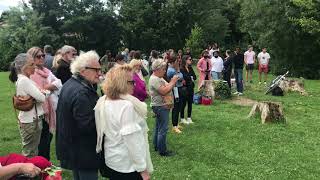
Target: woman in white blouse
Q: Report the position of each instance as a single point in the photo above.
(30, 121)
(120, 119)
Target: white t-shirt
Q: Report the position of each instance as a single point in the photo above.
(217, 64)
(125, 147)
(263, 58)
(250, 56)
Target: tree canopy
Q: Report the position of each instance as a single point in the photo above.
(289, 29)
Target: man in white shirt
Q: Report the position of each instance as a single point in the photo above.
(249, 60)
(263, 59)
(217, 66)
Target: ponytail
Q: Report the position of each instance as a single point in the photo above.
(13, 76)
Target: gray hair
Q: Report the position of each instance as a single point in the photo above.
(66, 48)
(83, 60)
(20, 61)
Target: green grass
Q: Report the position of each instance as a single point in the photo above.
(223, 143)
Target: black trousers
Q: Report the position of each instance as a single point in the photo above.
(187, 99)
(176, 109)
(45, 140)
(115, 175)
(227, 77)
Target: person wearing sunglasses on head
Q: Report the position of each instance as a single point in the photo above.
(68, 54)
(46, 81)
(76, 134)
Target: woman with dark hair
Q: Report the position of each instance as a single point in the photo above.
(30, 122)
(227, 64)
(187, 97)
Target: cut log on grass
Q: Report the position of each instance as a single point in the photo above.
(270, 111)
(207, 89)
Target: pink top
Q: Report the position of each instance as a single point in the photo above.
(139, 90)
(202, 67)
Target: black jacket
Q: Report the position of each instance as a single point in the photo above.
(76, 135)
(238, 61)
(187, 77)
(63, 71)
(227, 66)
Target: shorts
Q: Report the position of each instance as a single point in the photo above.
(263, 68)
(249, 66)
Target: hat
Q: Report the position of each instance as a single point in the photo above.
(157, 64)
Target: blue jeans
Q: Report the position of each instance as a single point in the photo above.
(161, 128)
(239, 77)
(85, 174)
(215, 75)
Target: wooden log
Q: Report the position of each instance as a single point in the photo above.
(269, 111)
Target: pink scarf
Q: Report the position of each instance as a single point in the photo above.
(40, 77)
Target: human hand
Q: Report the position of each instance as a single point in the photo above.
(145, 175)
(30, 169)
(175, 78)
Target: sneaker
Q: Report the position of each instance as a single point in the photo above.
(175, 129)
(167, 154)
(189, 120)
(240, 94)
(184, 121)
(259, 82)
(236, 93)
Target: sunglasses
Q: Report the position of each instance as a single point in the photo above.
(95, 69)
(40, 56)
(132, 82)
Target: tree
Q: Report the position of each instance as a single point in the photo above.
(23, 30)
(195, 41)
(269, 24)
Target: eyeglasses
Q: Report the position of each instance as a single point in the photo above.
(40, 56)
(95, 69)
(132, 82)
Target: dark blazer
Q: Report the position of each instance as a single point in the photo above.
(76, 135)
(238, 61)
(187, 77)
(63, 71)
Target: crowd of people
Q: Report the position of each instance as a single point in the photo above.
(110, 126)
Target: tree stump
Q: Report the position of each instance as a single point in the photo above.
(293, 86)
(270, 112)
(208, 89)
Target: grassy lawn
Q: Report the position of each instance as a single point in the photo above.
(222, 143)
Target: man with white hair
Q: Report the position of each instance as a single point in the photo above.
(76, 135)
(68, 55)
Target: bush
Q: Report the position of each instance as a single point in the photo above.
(222, 90)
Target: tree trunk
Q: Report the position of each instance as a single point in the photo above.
(270, 111)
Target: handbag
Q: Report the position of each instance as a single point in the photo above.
(206, 100)
(168, 100)
(23, 103)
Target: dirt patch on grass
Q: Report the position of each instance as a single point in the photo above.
(243, 101)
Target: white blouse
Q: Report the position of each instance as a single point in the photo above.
(26, 86)
(125, 144)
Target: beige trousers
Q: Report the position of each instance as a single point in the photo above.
(30, 135)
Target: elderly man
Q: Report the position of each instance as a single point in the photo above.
(76, 135)
(63, 71)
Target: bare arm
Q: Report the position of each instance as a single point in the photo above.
(163, 90)
(7, 172)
